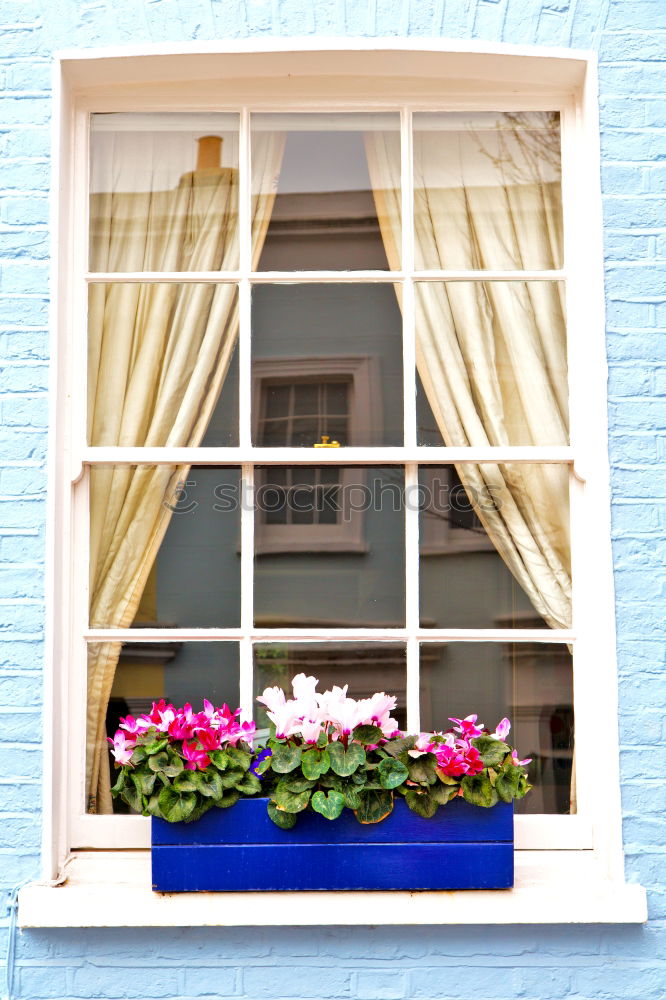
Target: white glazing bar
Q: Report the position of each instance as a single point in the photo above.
(247, 588)
(245, 289)
(324, 456)
(408, 321)
(79, 262)
(304, 277)
(338, 634)
(412, 596)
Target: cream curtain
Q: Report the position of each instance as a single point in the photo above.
(158, 357)
(491, 356)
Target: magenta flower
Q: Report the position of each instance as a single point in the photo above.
(468, 727)
(122, 747)
(502, 731)
(195, 756)
(520, 763)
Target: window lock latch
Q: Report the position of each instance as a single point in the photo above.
(326, 442)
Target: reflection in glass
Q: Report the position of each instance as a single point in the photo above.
(331, 192)
(492, 363)
(531, 683)
(487, 191)
(179, 672)
(326, 360)
(329, 546)
(494, 545)
(161, 365)
(365, 666)
(192, 578)
(164, 192)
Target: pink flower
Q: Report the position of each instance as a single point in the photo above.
(467, 727)
(273, 698)
(122, 747)
(520, 763)
(195, 756)
(502, 731)
(310, 730)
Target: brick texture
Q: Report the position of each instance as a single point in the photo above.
(502, 963)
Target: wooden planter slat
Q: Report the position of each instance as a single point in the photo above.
(241, 849)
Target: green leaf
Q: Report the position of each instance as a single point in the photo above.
(201, 808)
(263, 765)
(285, 759)
(422, 803)
(291, 802)
(443, 793)
(144, 781)
(120, 783)
(446, 779)
(232, 777)
(169, 764)
(314, 763)
(155, 747)
(352, 797)
(367, 734)
(183, 782)
(239, 758)
(152, 806)
(478, 790)
(220, 758)
(395, 747)
(285, 820)
(374, 806)
(491, 751)
(424, 769)
(138, 755)
(230, 798)
(329, 805)
(132, 797)
(297, 784)
(175, 806)
(208, 783)
(345, 762)
(392, 773)
(507, 784)
(249, 784)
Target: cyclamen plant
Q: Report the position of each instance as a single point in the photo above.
(329, 751)
(326, 752)
(177, 764)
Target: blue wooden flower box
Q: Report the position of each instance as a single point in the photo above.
(462, 847)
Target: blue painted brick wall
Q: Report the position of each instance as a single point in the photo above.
(585, 963)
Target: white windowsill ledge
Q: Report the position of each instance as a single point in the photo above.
(113, 889)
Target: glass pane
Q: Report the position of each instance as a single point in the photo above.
(492, 363)
(144, 672)
(487, 190)
(366, 667)
(531, 683)
(329, 547)
(163, 192)
(338, 348)
(494, 546)
(193, 580)
(162, 368)
(330, 185)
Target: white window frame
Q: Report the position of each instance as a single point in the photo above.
(569, 868)
(365, 420)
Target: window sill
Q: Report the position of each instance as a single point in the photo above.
(113, 889)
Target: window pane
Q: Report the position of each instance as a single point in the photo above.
(192, 579)
(366, 667)
(330, 185)
(531, 683)
(161, 365)
(492, 363)
(329, 551)
(164, 192)
(494, 546)
(139, 674)
(338, 350)
(487, 190)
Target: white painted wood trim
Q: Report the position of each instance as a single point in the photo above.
(310, 634)
(312, 277)
(114, 890)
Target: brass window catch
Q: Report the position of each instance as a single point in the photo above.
(326, 442)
